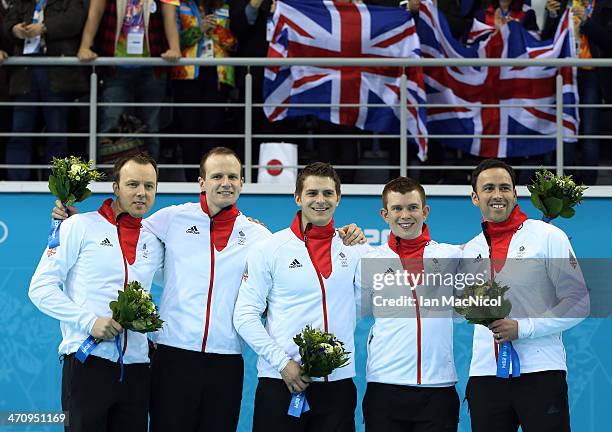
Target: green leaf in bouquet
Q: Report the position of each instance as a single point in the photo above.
(567, 213)
(535, 199)
(553, 205)
(53, 185)
(70, 200)
(139, 325)
(114, 307)
(546, 186)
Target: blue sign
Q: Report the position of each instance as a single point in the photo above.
(30, 372)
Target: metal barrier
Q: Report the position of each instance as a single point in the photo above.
(248, 105)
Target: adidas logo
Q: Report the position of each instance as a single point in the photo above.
(106, 242)
(389, 271)
(478, 258)
(295, 264)
(241, 234)
(193, 230)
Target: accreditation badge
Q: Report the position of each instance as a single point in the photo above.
(135, 40)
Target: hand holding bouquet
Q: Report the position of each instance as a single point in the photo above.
(321, 354)
(555, 195)
(133, 310)
(484, 304)
(68, 181)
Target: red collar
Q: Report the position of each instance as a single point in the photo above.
(221, 224)
(499, 235)
(318, 242)
(128, 229)
(411, 251)
(410, 248)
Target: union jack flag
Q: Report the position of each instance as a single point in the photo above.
(317, 28)
(464, 87)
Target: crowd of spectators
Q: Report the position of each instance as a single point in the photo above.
(220, 28)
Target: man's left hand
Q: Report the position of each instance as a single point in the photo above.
(504, 330)
(351, 235)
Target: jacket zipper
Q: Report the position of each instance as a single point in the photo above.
(210, 284)
(485, 232)
(418, 322)
(125, 282)
(322, 286)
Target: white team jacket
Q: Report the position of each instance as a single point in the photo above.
(542, 273)
(416, 349)
(283, 282)
(90, 265)
(200, 282)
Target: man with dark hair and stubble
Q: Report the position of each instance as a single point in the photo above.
(548, 295)
(302, 275)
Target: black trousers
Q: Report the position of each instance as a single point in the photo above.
(535, 401)
(391, 408)
(193, 391)
(97, 402)
(332, 407)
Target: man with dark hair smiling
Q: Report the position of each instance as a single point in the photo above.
(302, 275)
(410, 369)
(548, 296)
(99, 253)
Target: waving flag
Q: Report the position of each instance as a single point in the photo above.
(316, 28)
(509, 86)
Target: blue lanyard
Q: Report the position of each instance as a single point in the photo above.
(40, 4)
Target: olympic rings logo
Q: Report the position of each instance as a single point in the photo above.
(5, 231)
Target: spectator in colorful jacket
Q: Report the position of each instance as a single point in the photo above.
(132, 28)
(204, 33)
(42, 28)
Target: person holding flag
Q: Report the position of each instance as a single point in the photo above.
(302, 275)
(99, 253)
(518, 369)
(410, 370)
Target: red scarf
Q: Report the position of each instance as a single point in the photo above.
(128, 232)
(500, 234)
(318, 242)
(222, 224)
(411, 251)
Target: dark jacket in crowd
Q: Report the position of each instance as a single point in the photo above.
(251, 40)
(64, 20)
(598, 29)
